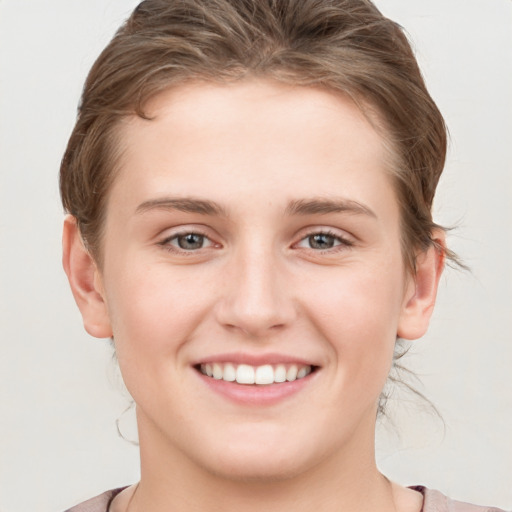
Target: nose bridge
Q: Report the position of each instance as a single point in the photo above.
(256, 295)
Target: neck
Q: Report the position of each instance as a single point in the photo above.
(349, 480)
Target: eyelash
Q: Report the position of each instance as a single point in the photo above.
(167, 245)
(343, 243)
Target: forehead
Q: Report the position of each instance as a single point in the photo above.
(285, 142)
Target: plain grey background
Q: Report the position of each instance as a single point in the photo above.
(59, 391)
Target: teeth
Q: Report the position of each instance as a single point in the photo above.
(217, 371)
(300, 374)
(291, 374)
(264, 375)
(229, 373)
(260, 375)
(245, 374)
(280, 373)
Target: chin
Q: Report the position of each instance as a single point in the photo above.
(260, 460)
(258, 469)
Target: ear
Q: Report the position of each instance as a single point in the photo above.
(421, 290)
(85, 281)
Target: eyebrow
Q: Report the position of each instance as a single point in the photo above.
(187, 205)
(313, 206)
(324, 206)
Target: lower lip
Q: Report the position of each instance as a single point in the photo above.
(256, 395)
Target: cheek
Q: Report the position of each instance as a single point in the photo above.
(153, 316)
(358, 318)
(154, 311)
(362, 303)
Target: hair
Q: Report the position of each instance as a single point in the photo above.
(345, 46)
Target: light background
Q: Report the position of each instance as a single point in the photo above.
(58, 393)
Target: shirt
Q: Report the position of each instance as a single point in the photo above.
(433, 501)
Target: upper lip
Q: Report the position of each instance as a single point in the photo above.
(254, 359)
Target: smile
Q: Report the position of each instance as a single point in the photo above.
(257, 375)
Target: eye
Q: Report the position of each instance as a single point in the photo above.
(323, 241)
(187, 242)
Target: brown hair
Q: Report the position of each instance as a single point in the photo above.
(343, 45)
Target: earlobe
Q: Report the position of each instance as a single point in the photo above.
(421, 292)
(85, 281)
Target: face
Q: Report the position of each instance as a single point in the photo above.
(253, 278)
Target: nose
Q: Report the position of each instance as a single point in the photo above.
(257, 297)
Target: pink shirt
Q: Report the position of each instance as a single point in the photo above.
(433, 501)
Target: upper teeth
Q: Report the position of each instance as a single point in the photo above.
(246, 374)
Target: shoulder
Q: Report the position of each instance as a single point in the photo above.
(98, 504)
(434, 501)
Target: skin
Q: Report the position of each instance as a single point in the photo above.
(257, 286)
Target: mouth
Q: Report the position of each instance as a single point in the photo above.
(263, 375)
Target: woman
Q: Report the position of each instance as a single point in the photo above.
(249, 188)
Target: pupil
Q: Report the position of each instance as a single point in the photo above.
(321, 241)
(191, 241)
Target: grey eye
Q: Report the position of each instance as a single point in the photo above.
(321, 241)
(190, 241)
